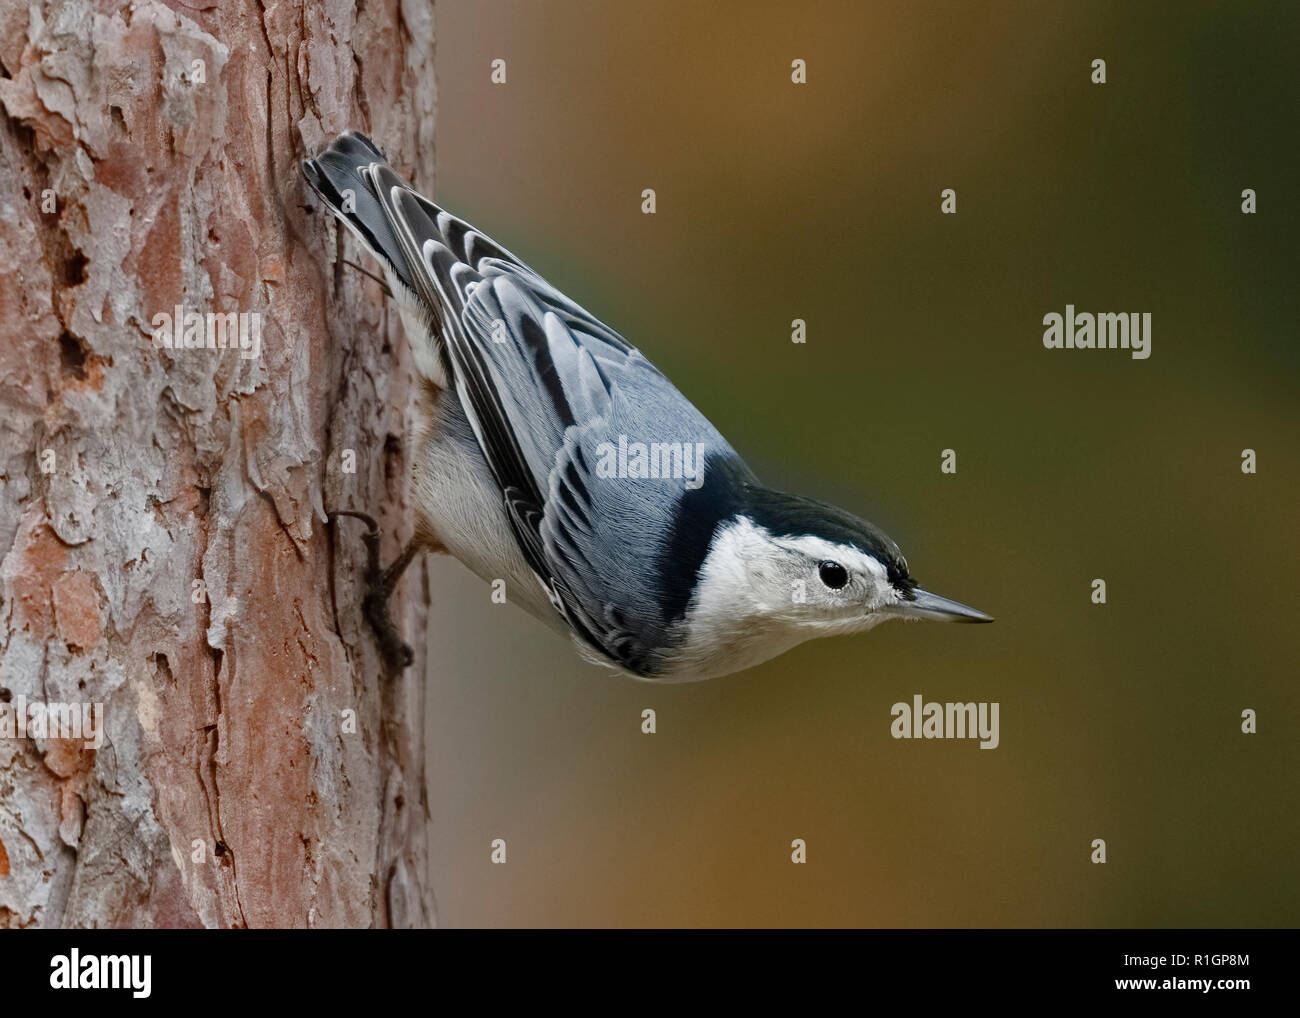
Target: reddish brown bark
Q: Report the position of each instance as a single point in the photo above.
(228, 789)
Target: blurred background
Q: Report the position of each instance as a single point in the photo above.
(924, 332)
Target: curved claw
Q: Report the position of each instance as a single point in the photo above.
(364, 517)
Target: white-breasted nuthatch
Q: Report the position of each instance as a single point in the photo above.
(552, 455)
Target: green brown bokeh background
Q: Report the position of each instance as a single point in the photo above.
(821, 202)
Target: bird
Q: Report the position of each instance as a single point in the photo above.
(549, 453)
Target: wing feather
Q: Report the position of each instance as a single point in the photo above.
(548, 388)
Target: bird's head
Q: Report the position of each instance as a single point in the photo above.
(783, 569)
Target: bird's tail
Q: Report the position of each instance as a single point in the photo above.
(341, 176)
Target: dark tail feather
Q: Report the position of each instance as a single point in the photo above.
(342, 168)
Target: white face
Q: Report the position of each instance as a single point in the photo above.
(814, 584)
(759, 595)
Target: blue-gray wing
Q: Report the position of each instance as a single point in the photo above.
(592, 447)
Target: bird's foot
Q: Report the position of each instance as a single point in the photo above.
(380, 583)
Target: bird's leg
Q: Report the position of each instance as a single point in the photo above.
(383, 283)
(380, 583)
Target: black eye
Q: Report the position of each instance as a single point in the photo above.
(833, 575)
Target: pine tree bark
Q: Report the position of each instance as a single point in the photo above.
(163, 546)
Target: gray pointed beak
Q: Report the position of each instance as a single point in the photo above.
(925, 605)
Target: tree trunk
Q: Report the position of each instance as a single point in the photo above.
(162, 511)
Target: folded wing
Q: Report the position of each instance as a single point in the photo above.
(553, 394)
